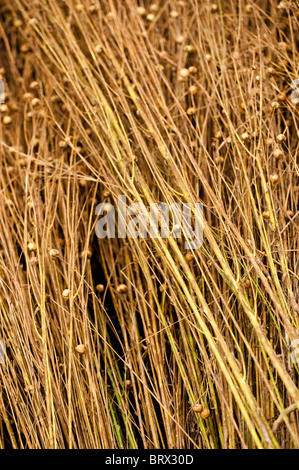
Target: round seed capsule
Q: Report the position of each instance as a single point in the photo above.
(81, 348)
(141, 11)
(197, 408)
(150, 17)
(184, 73)
(245, 136)
(17, 23)
(192, 69)
(7, 120)
(100, 288)
(282, 97)
(66, 294)
(281, 138)
(274, 178)
(174, 14)
(189, 256)
(153, 7)
(35, 102)
(3, 108)
(93, 9)
(79, 7)
(193, 89)
(278, 154)
(205, 413)
(191, 111)
(179, 39)
(31, 246)
(54, 253)
(266, 215)
(121, 289)
(24, 48)
(275, 105)
(27, 96)
(189, 48)
(62, 144)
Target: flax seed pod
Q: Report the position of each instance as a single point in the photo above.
(79, 7)
(153, 7)
(7, 120)
(31, 246)
(27, 96)
(66, 294)
(98, 49)
(35, 102)
(245, 136)
(81, 348)
(278, 153)
(150, 17)
(282, 97)
(183, 74)
(192, 70)
(189, 48)
(17, 24)
(197, 408)
(100, 288)
(141, 11)
(54, 253)
(281, 138)
(189, 256)
(93, 9)
(191, 111)
(275, 105)
(274, 178)
(33, 85)
(121, 289)
(3, 108)
(205, 413)
(193, 89)
(179, 39)
(290, 213)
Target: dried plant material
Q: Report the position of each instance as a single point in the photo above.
(115, 337)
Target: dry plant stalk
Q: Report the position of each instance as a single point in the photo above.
(123, 343)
